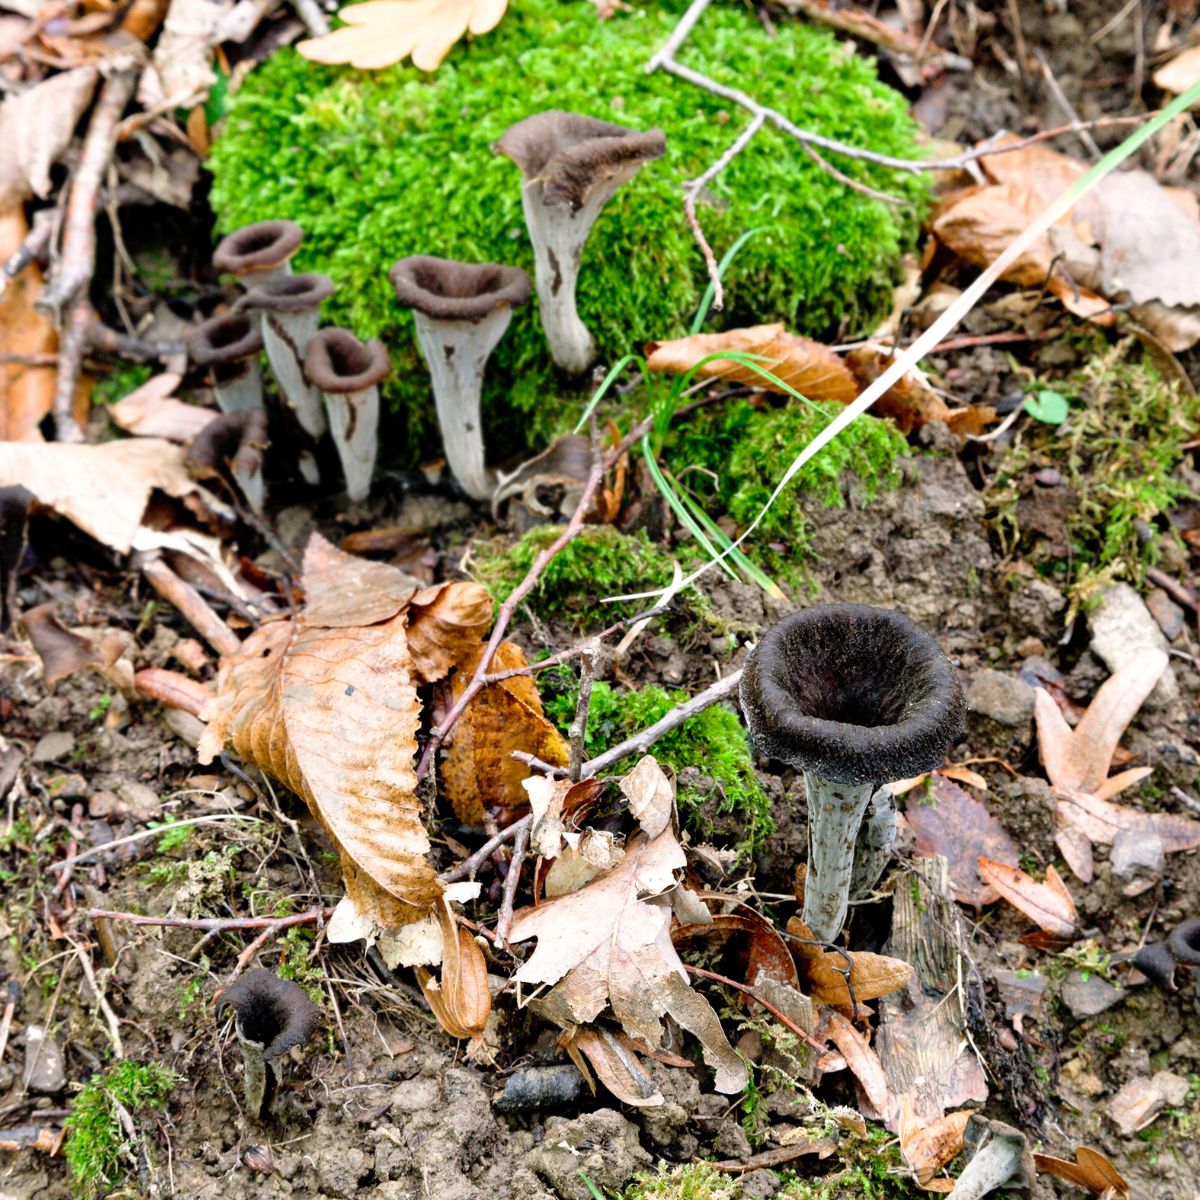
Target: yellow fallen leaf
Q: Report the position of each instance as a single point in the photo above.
(381, 33)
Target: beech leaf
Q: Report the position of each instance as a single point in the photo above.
(381, 33)
(609, 945)
(445, 626)
(460, 999)
(1049, 904)
(815, 371)
(332, 712)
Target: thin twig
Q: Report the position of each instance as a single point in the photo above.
(746, 989)
(192, 606)
(215, 924)
(470, 865)
(853, 184)
(64, 863)
(1060, 98)
(572, 530)
(577, 734)
(504, 923)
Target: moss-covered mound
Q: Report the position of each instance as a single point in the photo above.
(376, 166)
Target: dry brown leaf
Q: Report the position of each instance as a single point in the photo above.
(102, 489)
(343, 591)
(952, 823)
(479, 770)
(61, 651)
(460, 999)
(1090, 1170)
(1049, 904)
(929, 1146)
(1078, 759)
(813, 370)
(381, 33)
(35, 128)
(761, 952)
(650, 795)
(1180, 73)
(614, 1059)
(333, 713)
(610, 944)
(152, 411)
(864, 1064)
(911, 403)
(871, 975)
(1100, 821)
(445, 626)
(26, 392)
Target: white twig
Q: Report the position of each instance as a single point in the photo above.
(62, 864)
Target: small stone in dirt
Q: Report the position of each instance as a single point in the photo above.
(140, 802)
(1123, 630)
(1004, 698)
(340, 1167)
(603, 1145)
(103, 804)
(1136, 1105)
(1138, 853)
(67, 787)
(417, 1095)
(1166, 612)
(1175, 1088)
(732, 1141)
(1086, 994)
(760, 1185)
(53, 746)
(44, 1070)
(1048, 477)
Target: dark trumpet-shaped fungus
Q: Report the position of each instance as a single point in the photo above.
(1157, 963)
(461, 311)
(1184, 942)
(230, 344)
(856, 697)
(273, 1016)
(571, 166)
(260, 252)
(348, 372)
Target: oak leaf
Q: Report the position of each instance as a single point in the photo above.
(1049, 904)
(331, 710)
(381, 33)
(609, 945)
(815, 371)
(479, 770)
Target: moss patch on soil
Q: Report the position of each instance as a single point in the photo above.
(714, 742)
(731, 458)
(1117, 453)
(376, 166)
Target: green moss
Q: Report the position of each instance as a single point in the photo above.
(376, 166)
(95, 1134)
(600, 562)
(732, 459)
(693, 1181)
(872, 1168)
(713, 741)
(1118, 452)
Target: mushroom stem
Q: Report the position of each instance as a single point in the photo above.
(835, 812)
(259, 1078)
(999, 1160)
(285, 338)
(354, 423)
(876, 836)
(457, 352)
(239, 388)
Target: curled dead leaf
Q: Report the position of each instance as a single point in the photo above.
(929, 1146)
(444, 627)
(823, 972)
(1090, 1170)
(1049, 904)
(62, 652)
(460, 999)
(614, 1059)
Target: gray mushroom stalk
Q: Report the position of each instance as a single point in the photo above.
(347, 373)
(856, 697)
(571, 166)
(461, 311)
(289, 309)
(260, 252)
(999, 1158)
(273, 1016)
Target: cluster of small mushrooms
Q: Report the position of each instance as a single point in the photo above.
(571, 166)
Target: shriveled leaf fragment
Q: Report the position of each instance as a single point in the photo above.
(62, 652)
(760, 950)
(152, 411)
(1049, 904)
(381, 33)
(26, 391)
(460, 999)
(958, 827)
(445, 626)
(911, 402)
(1090, 1170)
(1179, 73)
(479, 770)
(36, 126)
(613, 1057)
(650, 795)
(103, 489)
(609, 945)
(815, 371)
(822, 973)
(333, 714)
(929, 1146)
(864, 1064)
(1100, 822)
(1078, 759)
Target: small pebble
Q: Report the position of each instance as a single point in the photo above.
(1087, 995)
(53, 746)
(45, 1070)
(1048, 477)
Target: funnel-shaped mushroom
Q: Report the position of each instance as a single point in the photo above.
(1184, 942)
(1157, 963)
(348, 372)
(856, 697)
(290, 308)
(230, 345)
(257, 253)
(273, 1016)
(461, 311)
(571, 166)
(1000, 1158)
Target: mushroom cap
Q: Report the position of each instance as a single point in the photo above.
(1184, 942)
(457, 291)
(569, 154)
(338, 362)
(1157, 963)
(276, 1013)
(852, 693)
(292, 293)
(228, 338)
(259, 247)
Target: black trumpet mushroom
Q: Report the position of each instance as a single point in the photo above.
(857, 698)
